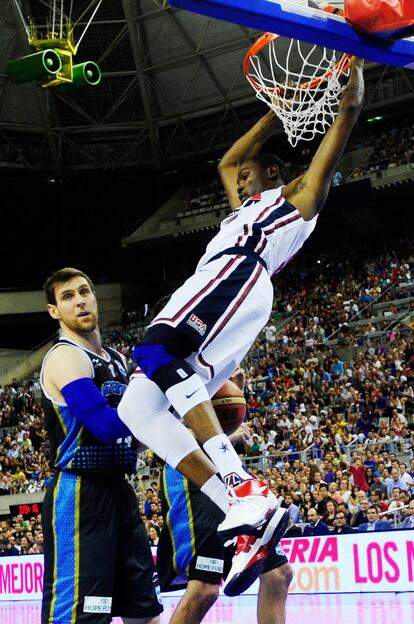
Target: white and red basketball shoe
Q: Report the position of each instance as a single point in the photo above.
(252, 505)
(252, 552)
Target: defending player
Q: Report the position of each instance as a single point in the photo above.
(209, 324)
(98, 562)
(190, 553)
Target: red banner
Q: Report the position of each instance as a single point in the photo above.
(392, 18)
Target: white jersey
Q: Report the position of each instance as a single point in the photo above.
(266, 224)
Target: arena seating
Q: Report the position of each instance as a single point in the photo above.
(329, 381)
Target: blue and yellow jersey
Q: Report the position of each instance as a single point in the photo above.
(72, 447)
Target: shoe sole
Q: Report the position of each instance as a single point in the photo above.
(271, 536)
(246, 529)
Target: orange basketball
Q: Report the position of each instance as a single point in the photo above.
(230, 406)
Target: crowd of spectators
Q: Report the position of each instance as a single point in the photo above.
(21, 537)
(205, 194)
(392, 145)
(330, 435)
(314, 415)
(322, 298)
(24, 448)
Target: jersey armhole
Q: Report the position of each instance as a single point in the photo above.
(42, 370)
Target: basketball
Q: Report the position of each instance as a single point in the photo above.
(230, 406)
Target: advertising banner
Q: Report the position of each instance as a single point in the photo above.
(360, 562)
(21, 578)
(364, 562)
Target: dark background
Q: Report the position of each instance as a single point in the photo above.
(48, 223)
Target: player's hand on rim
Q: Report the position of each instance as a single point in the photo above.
(357, 62)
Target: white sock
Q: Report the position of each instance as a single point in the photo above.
(215, 489)
(224, 457)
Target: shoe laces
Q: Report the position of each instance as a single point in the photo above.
(238, 500)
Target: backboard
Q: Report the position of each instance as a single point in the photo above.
(295, 19)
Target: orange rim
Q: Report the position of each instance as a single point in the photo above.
(265, 40)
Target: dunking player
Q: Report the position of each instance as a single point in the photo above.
(98, 562)
(209, 324)
(190, 553)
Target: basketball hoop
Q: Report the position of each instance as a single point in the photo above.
(299, 81)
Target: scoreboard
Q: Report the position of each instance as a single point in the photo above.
(27, 510)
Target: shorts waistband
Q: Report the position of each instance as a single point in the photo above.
(240, 251)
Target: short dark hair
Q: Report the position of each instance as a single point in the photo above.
(266, 160)
(60, 277)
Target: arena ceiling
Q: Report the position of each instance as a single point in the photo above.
(172, 88)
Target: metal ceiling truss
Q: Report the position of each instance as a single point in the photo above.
(147, 110)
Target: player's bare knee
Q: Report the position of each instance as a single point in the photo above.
(278, 579)
(205, 594)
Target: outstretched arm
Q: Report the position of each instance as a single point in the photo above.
(309, 195)
(67, 377)
(244, 148)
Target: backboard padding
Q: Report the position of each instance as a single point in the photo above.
(290, 19)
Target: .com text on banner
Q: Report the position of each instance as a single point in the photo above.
(361, 562)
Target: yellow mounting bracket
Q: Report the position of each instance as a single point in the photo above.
(63, 43)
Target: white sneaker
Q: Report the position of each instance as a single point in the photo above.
(252, 553)
(252, 505)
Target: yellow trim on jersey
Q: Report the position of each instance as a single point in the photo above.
(55, 493)
(170, 529)
(62, 424)
(78, 443)
(190, 517)
(77, 549)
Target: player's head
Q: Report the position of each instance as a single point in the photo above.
(259, 174)
(71, 300)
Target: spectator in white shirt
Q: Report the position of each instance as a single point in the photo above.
(394, 481)
(405, 477)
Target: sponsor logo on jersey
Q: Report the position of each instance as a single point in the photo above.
(97, 604)
(197, 324)
(113, 388)
(209, 564)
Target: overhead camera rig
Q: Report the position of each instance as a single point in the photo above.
(52, 63)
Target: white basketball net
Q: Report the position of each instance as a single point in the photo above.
(305, 100)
